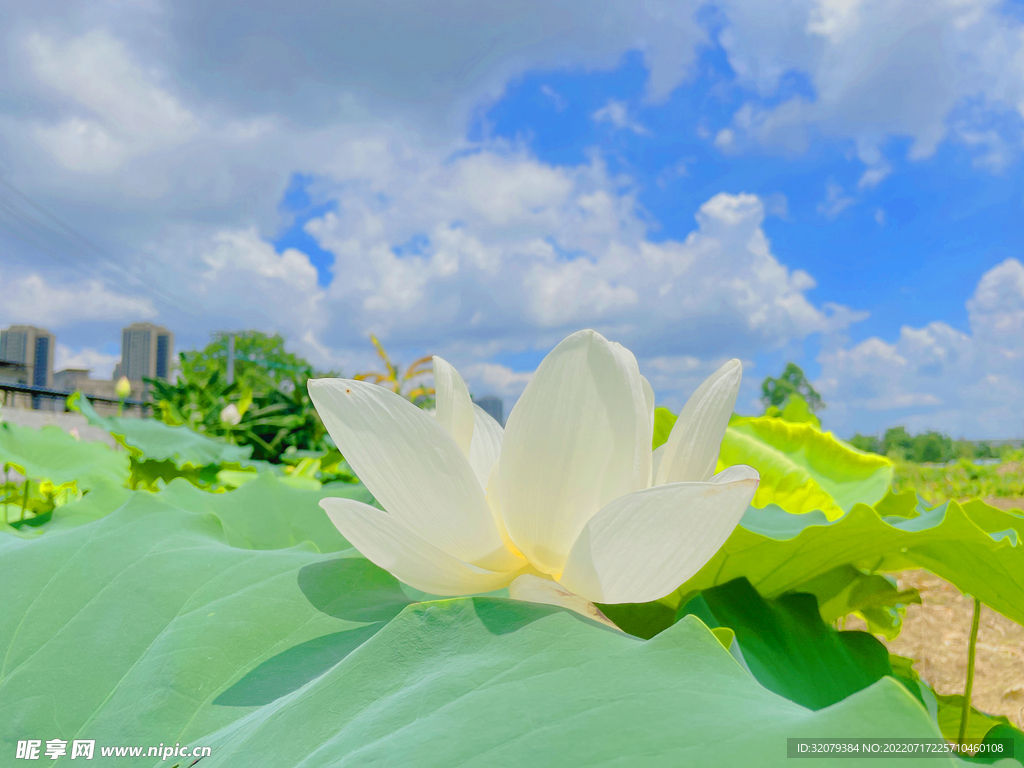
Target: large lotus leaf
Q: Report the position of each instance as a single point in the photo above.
(490, 682)
(146, 627)
(52, 454)
(976, 547)
(872, 596)
(268, 513)
(798, 411)
(97, 503)
(664, 420)
(803, 469)
(787, 646)
(152, 440)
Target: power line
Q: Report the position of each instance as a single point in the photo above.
(44, 231)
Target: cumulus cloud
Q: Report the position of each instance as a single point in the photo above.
(518, 253)
(878, 69)
(35, 300)
(836, 201)
(616, 114)
(173, 129)
(938, 377)
(99, 364)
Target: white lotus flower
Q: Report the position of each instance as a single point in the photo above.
(568, 505)
(231, 415)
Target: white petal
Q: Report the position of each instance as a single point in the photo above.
(648, 398)
(495, 504)
(383, 540)
(486, 445)
(642, 546)
(656, 457)
(534, 589)
(579, 437)
(454, 406)
(413, 467)
(691, 450)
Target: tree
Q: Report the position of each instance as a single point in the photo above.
(868, 443)
(261, 362)
(776, 392)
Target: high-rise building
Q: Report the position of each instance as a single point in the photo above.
(147, 352)
(493, 406)
(33, 348)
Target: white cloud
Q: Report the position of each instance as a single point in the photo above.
(616, 114)
(33, 300)
(172, 129)
(878, 69)
(99, 364)
(115, 111)
(836, 201)
(936, 377)
(516, 252)
(556, 98)
(495, 379)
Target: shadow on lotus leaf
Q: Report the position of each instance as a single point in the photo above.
(350, 589)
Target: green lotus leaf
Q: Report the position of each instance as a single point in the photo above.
(490, 682)
(146, 626)
(664, 420)
(269, 513)
(787, 646)
(873, 597)
(975, 546)
(152, 440)
(948, 710)
(803, 469)
(52, 454)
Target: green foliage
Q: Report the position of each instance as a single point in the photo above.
(947, 710)
(271, 422)
(777, 392)
(242, 619)
(962, 480)
(252, 515)
(162, 452)
(296, 656)
(787, 646)
(402, 383)
(927, 447)
(803, 469)
(261, 362)
(664, 420)
(269, 393)
(976, 547)
(52, 454)
(846, 591)
(796, 410)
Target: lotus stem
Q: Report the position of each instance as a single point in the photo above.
(965, 713)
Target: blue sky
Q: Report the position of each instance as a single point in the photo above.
(835, 183)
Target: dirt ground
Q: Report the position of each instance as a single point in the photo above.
(937, 634)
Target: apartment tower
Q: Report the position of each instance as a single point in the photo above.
(33, 348)
(146, 352)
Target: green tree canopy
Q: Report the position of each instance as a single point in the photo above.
(261, 362)
(776, 392)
